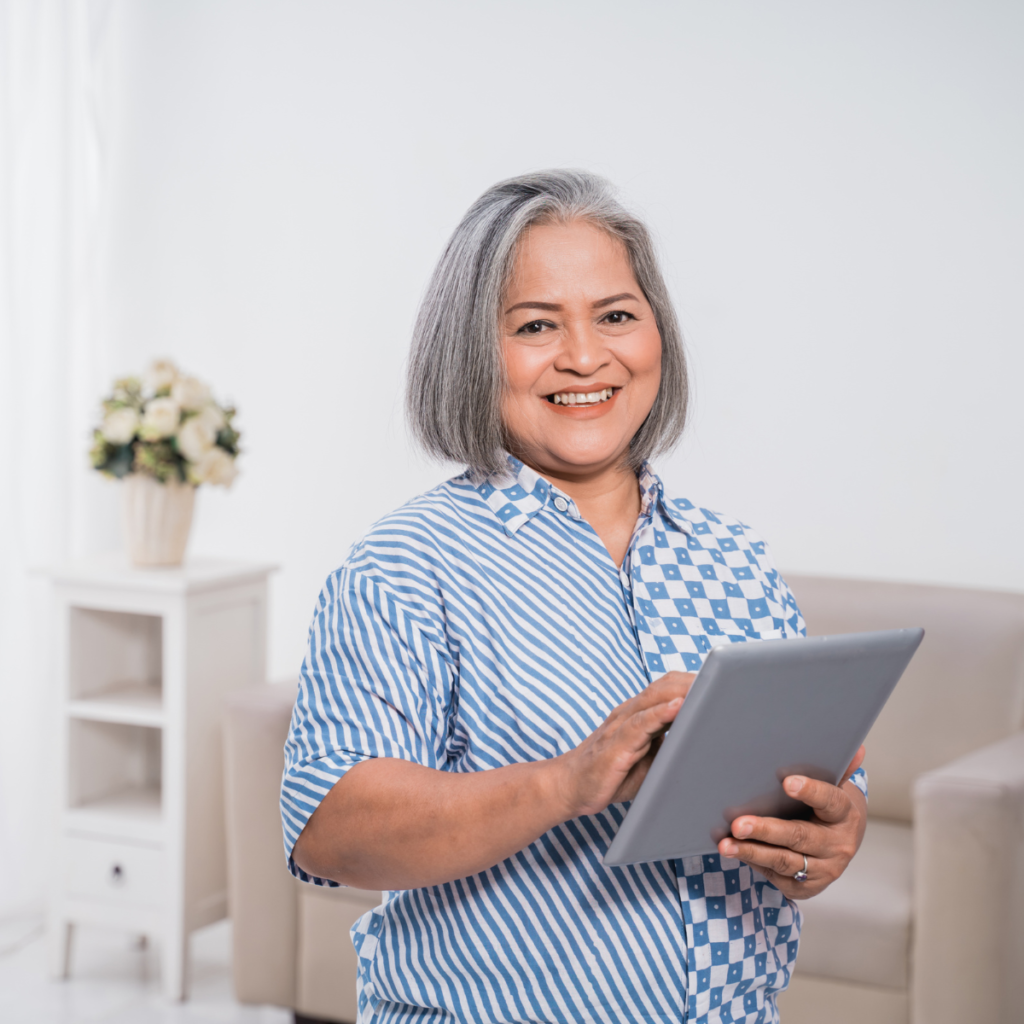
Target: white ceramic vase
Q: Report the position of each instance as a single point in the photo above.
(157, 518)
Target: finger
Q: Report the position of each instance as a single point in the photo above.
(801, 836)
(672, 684)
(638, 736)
(830, 803)
(791, 888)
(858, 760)
(633, 734)
(653, 720)
(675, 679)
(778, 859)
(784, 881)
(658, 692)
(635, 776)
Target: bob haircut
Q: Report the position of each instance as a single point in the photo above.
(456, 376)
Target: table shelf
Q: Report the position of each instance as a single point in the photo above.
(132, 813)
(127, 703)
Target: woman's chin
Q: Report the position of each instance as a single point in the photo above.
(579, 459)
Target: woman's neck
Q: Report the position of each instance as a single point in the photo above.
(609, 500)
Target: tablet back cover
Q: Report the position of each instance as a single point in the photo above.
(758, 712)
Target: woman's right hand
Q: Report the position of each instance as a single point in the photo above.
(609, 765)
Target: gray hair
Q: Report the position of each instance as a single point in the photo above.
(456, 374)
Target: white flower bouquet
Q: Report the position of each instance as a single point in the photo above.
(167, 427)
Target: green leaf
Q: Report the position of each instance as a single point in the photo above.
(228, 439)
(159, 459)
(120, 462)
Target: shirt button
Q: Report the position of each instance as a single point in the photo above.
(561, 504)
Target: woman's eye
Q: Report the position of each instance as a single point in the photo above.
(618, 316)
(533, 327)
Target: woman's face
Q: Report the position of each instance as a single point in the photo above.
(582, 351)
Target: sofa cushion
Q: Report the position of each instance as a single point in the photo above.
(811, 1000)
(326, 983)
(964, 689)
(262, 895)
(858, 929)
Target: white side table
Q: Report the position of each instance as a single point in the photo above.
(146, 658)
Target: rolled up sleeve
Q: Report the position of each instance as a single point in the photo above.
(377, 681)
(860, 779)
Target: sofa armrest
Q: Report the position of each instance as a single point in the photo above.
(968, 887)
(262, 895)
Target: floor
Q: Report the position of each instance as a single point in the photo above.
(114, 979)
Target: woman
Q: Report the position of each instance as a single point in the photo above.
(490, 671)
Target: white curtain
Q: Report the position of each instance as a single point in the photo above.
(56, 58)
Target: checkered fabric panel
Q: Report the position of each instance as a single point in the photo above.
(742, 937)
(699, 580)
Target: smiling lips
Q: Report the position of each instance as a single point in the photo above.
(582, 399)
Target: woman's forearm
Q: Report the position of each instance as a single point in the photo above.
(392, 824)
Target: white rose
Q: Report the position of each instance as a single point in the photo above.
(160, 418)
(162, 373)
(190, 393)
(196, 438)
(215, 467)
(120, 425)
(213, 417)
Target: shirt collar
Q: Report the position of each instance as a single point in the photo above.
(515, 494)
(652, 499)
(652, 490)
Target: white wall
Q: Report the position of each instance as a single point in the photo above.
(836, 188)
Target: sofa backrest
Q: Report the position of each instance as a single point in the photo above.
(963, 690)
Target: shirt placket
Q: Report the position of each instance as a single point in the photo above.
(645, 523)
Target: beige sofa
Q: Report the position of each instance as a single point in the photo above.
(924, 924)
(291, 945)
(927, 924)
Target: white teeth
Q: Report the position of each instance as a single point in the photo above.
(585, 398)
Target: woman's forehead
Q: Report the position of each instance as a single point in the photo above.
(568, 258)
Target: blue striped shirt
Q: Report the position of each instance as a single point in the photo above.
(484, 624)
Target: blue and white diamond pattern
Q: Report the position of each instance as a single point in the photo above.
(702, 580)
(742, 937)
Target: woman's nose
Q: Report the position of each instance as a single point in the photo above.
(582, 350)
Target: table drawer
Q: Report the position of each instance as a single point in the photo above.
(116, 871)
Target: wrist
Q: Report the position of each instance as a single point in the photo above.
(554, 789)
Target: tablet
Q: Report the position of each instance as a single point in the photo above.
(757, 712)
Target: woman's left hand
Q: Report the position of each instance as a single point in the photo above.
(829, 839)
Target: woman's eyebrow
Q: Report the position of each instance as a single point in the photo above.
(554, 307)
(613, 298)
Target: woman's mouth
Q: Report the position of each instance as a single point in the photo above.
(581, 399)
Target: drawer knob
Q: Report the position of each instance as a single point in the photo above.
(117, 874)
